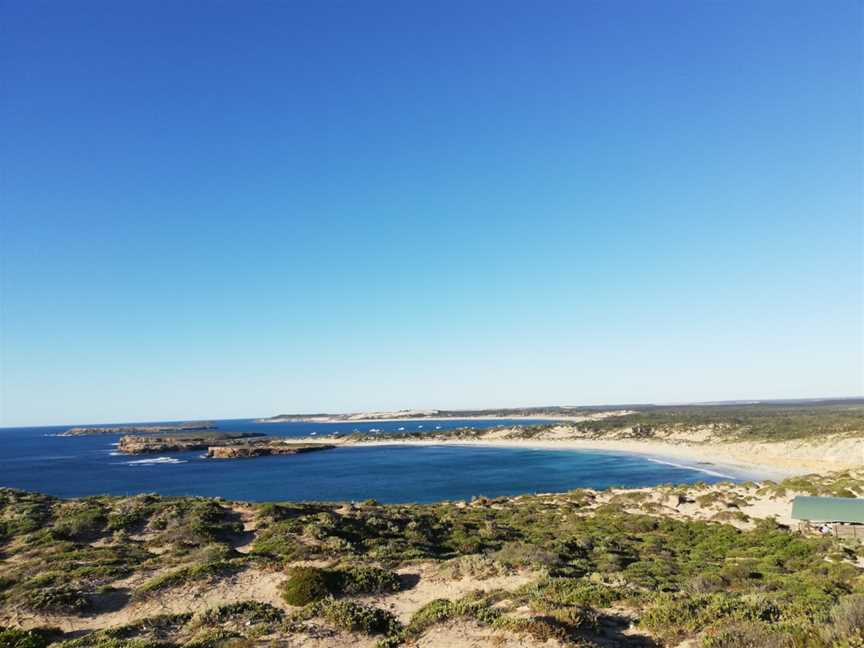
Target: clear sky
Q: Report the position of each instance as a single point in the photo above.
(229, 209)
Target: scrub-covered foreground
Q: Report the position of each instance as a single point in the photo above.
(691, 566)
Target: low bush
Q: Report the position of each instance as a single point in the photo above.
(476, 566)
(847, 620)
(197, 572)
(250, 612)
(80, 521)
(441, 610)
(551, 593)
(357, 617)
(747, 634)
(63, 599)
(17, 638)
(306, 585)
(365, 579)
(521, 554)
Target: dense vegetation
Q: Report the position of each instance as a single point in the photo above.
(727, 587)
(763, 422)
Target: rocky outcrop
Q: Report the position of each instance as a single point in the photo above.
(263, 450)
(217, 445)
(134, 444)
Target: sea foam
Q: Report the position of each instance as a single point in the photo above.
(154, 461)
(690, 467)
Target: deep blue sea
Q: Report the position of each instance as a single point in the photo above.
(35, 459)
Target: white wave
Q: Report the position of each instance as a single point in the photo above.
(155, 460)
(686, 467)
(116, 444)
(115, 454)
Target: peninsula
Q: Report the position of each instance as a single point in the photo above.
(218, 445)
(548, 413)
(138, 429)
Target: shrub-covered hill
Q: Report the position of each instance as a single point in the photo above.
(695, 423)
(586, 568)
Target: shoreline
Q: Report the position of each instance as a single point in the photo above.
(690, 457)
(779, 463)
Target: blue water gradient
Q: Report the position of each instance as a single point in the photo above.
(36, 459)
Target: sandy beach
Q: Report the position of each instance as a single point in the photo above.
(751, 460)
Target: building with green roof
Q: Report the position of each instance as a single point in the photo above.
(842, 516)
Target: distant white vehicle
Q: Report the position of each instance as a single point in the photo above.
(419, 426)
(312, 433)
(437, 427)
(402, 428)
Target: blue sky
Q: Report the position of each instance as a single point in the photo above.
(229, 209)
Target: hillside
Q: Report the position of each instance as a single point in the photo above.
(713, 566)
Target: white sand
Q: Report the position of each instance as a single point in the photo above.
(737, 459)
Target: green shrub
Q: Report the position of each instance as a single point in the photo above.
(676, 615)
(521, 554)
(476, 566)
(357, 617)
(542, 629)
(847, 619)
(441, 610)
(249, 611)
(217, 638)
(366, 579)
(126, 520)
(60, 598)
(17, 638)
(80, 521)
(551, 593)
(306, 585)
(198, 572)
(747, 634)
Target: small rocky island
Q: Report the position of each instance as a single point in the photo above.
(181, 441)
(264, 449)
(218, 445)
(138, 429)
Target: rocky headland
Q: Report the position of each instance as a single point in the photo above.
(264, 449)
(150, 444)
(218, 445)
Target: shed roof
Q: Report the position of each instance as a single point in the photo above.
(828, 509)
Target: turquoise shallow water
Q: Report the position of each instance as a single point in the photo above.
(35, 459)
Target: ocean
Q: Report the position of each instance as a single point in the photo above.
(38, 460)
